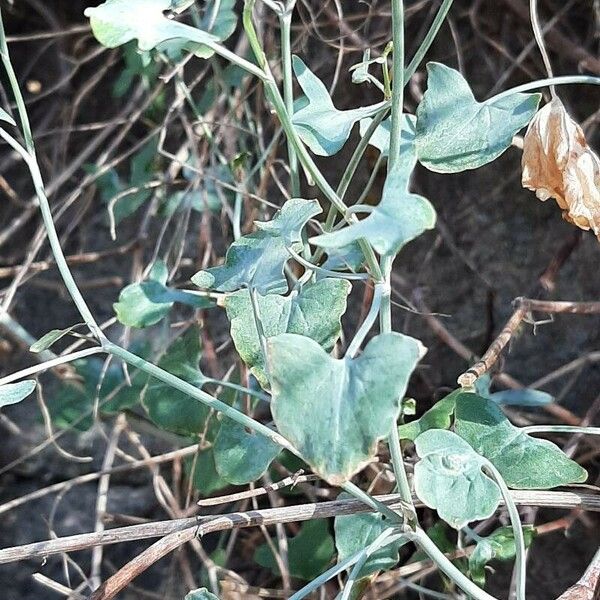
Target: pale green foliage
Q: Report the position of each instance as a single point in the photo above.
(523, 461)
(116, 22)
(146, 303)
(455, 132)
(322, 127)
(314, 311)
(335, 411)
(399, 218)
(50, 338)
(499, 545)
(241, 456)
(353, 533)
(450, 478)
(257, 260)
(12, 393)
(171, 409)
(381, 137)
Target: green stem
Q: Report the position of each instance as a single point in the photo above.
(49, 364)
(285, 20)
(540, 83)
(440, 17)
(192, 391)
(30, 160)
(446, 566)
(367, 324)
(515, 521)
(398, 84)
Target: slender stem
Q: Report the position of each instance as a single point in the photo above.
(398, 84)
(540, 83)
(538, 34)
(367, 324)
(515, 521)
(191, 390)
(445, 565)
(560, 429)
(239, 388)
(285, 20)
(440, 17)
(381, 540)
(30, 159)
(359, 152)
(49, 364)
(326, 272)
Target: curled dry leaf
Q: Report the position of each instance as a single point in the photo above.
(558, 163)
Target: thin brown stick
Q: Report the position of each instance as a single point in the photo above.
(270, 516)
(471, 375)
(556, 306)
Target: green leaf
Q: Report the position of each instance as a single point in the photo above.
(315, 312)
(309, 552)
(242, 456)
(521, 397)
(4, 116)
(71, 404)
(449, 478)
(146, 303)
(399, 218)
(116, 22)
(346, 258)
(354, 533)
(50, 338)
(523, 461)
(203, 473)
(200, 594)
(334, 411)
(12, 393)
(498, 545)
(455, 132)
(171, 409)
(439, 416)
(322, 127)
(257, 260)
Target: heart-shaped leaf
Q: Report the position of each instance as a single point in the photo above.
(322, 127)
(399, 218)
(12, 393)
(116, 22)
(354, 533)
(309, 552)
(498, 545)
(146, 303)
(523, 461)
(171, 409)
(455, 132)
(315, 312)
(257, 260)
(449, 478)
(241, 456)
(334, 411)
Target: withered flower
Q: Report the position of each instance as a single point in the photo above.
(558, 163)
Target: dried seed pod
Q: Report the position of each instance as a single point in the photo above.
(558, 163)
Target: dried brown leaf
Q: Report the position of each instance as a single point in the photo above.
(558, 163)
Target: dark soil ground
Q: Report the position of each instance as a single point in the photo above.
(493, 242)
